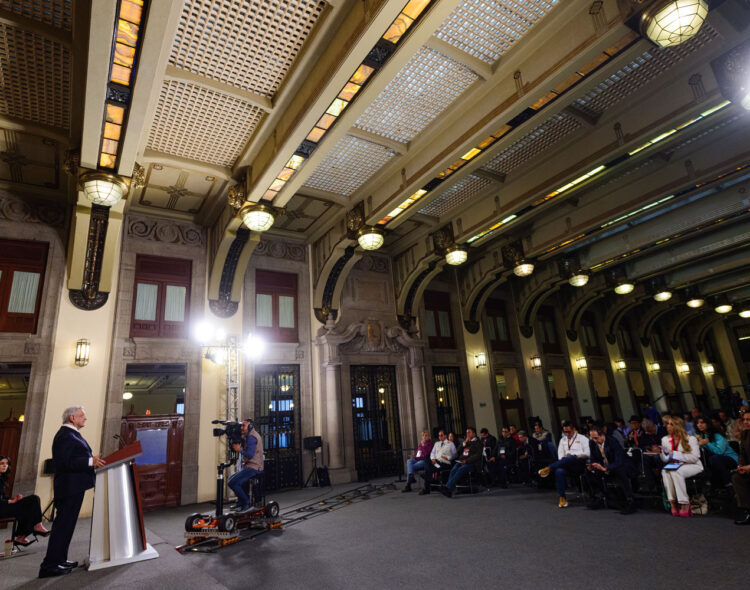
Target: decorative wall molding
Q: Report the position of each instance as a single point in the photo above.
(373, 263)
(25, 210)
(164, 230)
(88, 297)
(285, 250)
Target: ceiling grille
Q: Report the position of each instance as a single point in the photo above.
(35, 77)
(348, 165)
(201, 124)
(424, 88)
(458, 194)
(487, 29)
(248, 44)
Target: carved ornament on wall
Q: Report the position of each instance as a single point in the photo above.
(285, 250)
(162, 230)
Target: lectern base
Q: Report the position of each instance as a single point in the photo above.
(148, 553)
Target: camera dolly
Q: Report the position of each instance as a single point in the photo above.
(224, 527)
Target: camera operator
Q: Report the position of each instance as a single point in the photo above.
(251, 452)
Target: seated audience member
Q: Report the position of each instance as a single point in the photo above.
(419, 460)
(736, 434)
(718, 424)
(621, 431)
(443, 453)
(468, 458)
(636, 432)
(729, 425)
(544, 437)
(488, 443)
(514, 434)
(650, 444)
(682, 459)
(722, 459)
(741, 479)
(455, 439)
(608, 461)
(652, 413)
(572, 453)
(27, 510)
(527, 456)
(689, 424)
(505, 455)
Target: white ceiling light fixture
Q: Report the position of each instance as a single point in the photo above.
(663, 295)
(370, 238)
(257, 217)
(672, 22)
(745, 313)
(723, 308)
(579, 279)
(127, 395)
(695, 302)
(523, 269)
(102, 188)
(624, 288)
(456, 255)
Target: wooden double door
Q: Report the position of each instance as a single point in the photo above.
(159, 468)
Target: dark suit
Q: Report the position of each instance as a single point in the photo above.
(618, 467)
(741, 481)
(74, 475)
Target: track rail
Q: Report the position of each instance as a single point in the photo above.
(291, 517)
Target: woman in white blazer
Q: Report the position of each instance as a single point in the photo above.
(682, 457)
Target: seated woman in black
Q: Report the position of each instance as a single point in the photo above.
(26, 510)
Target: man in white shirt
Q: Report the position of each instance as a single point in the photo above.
(572, 453)
(442, 454)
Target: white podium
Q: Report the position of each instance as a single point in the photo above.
(117, 532)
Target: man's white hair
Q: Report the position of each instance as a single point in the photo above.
(70, 412)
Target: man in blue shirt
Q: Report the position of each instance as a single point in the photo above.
(251, 453)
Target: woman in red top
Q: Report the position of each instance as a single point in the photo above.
(418, 461)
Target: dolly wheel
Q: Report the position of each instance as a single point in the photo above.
(272, 509)
(191, 521)
(226, 523)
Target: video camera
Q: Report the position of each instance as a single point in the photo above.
(232, 430)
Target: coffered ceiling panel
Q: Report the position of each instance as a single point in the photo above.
(456, 195)
(348, 165)
(487, 29)
(302, 212)
(175, 189)
(533, 143)
(58, 13)
(641, 70)
(201, 124)
(29, 159)
(35, 73)
(424, 88)
(248, 44)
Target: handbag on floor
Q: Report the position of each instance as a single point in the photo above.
(699, 504)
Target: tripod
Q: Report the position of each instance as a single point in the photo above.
(312, 479)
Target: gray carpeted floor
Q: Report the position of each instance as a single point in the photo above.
(515, 537)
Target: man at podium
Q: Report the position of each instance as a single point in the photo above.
(74, 474)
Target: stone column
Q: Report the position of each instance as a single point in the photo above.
(416, 364)
(332, 397)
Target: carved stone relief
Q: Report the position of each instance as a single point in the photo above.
(285, 250)
(162, 230)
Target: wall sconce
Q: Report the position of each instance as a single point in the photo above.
(581, 364)
(83, 348)
(683, 368)
(22, 417)
(709, 369)
(621, 365)
(655, 367)
(480, 360)
(536, 363)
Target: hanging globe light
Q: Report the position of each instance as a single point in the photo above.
(663, 295)
(102, 188)
(370, 238)
(523, 269)
(456, 255)
(695, 302)
(672, 22)
(579, 279)
(257, 217)
(624, 288)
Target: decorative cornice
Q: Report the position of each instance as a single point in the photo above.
(373, 263)
(285, 250)
(164, 230)
(28, 211)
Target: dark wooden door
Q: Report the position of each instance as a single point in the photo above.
(449, 399)
(276, 419)
(377, 428)
(160, 465)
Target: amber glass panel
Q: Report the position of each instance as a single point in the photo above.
(106, 161)
(109, 146)
(112, 131)
(337, 106)
(567, 83)
(276, 185)
(124, 55)
(269, 195)
(502, 131)
(316, 134)
(349, 91)
(294, 162)
(132, 10)
(285, 174)
(593, 64)
(325, 121)
(115, 114)
(398, 28)
(415, 8)
(547, 98)
(127, 33)
(486, 142)
(360, 76)
(121, 75)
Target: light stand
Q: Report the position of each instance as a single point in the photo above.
(312, 479)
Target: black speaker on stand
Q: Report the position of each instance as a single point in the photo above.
(312, 444)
